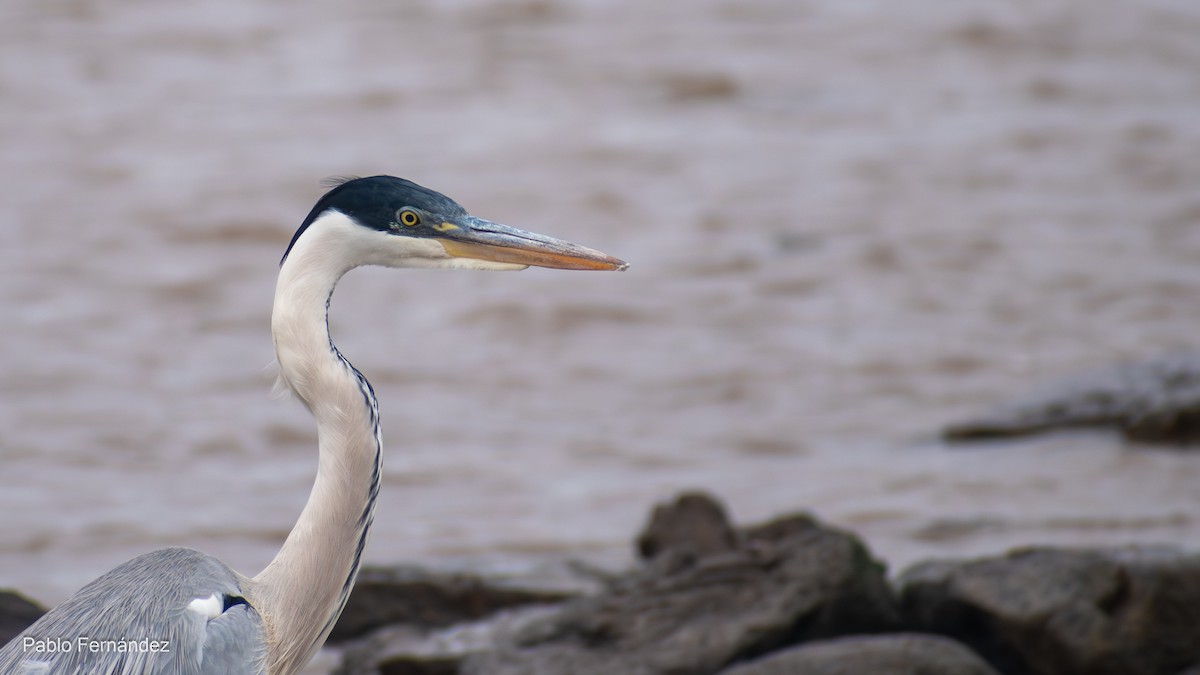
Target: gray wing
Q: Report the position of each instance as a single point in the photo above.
(140, 619)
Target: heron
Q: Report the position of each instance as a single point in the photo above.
(182, 612)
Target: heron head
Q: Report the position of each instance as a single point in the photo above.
(397, 223)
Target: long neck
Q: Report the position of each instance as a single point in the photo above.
(302, 591)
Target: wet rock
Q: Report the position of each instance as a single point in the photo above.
(16, 614)
(785, 582)
(1060, 612)
(898, 654)
(1154, 401)
(409, 595)
(694, 524)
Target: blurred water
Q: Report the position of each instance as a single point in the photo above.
(849, 223)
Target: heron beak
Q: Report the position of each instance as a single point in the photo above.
(471, 237)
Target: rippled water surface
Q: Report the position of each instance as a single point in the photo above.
(849, 223)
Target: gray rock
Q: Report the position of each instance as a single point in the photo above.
(415, 650)
(424, 599)
(1154, 401)
(1129, 611)
(694, 524)
(897, 654)
(787, 581)
(16, 614)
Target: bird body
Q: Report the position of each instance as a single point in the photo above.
(181, 612)
(137, 618)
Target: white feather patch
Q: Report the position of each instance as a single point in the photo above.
(209, 608)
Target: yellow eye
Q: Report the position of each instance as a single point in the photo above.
(409, 218)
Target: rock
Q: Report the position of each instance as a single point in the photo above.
(785, 582)
(409, 595)
(1129, 611)
(16, 614)
(414, 650)
(694, 524)
(1154, 401)
(898, 654)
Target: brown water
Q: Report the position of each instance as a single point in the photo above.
(849, 223)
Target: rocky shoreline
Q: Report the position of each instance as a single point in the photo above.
(796, 596)
(789, 596)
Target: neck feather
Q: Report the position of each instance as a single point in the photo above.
(302, 591)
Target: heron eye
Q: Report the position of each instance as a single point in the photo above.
(408, 218)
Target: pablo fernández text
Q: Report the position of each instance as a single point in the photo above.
(91, 645)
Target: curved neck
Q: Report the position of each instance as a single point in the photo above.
(302, 591)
